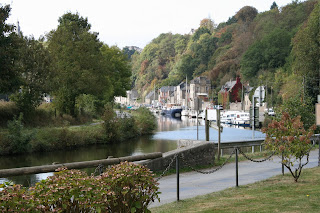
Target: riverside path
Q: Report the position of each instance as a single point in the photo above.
(193, 184)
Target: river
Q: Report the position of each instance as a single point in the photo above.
(169, 131)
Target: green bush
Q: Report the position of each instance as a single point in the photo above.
(145, 121)
(111, 124)
(18, 138)
(126, 187)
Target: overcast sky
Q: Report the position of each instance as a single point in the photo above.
(128, 22)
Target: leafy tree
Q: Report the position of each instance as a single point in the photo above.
(77, 67)
(9, 45)
(306, 52)
(288, 138)
(301, 106)
(269, 53)
(246, 14)
(119, 70)
(208, 23)
(273, 6)
(199, 32)
(34, 66)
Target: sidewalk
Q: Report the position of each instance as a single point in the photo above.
(193, 184)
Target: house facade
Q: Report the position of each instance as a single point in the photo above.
(151, 97)
(165, 93)
(199, 92)
(230, 93)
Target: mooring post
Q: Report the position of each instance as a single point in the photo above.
(319, 151)
(177, 171)
(219, 133)
(237, 169)
(282, 165)
(207, 125)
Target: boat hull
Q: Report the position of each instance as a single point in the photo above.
(176, 113)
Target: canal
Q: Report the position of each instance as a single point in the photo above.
(165, 139)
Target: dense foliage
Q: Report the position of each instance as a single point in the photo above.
(70, 64)
(126, 187)
(289, 139)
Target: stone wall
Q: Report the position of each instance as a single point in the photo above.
(193, 153)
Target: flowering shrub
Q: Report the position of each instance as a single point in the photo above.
(133, 188)
(126, 187)
(288, 138)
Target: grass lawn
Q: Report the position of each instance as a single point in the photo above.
(276, 194)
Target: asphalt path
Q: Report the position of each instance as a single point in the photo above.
(193, 183)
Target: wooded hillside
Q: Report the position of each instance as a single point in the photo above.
(278, 48)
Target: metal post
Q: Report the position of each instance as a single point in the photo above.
(197, 120)
(319, 154)
(207, 125)
(252, 148)
(237, 169)
(253, 117)
(282, 165)
(177, 171)
(219, 132)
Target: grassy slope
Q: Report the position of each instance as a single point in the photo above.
(277, 194)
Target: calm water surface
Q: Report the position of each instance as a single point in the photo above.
(165, 139)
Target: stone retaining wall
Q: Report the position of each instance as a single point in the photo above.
(193, 152)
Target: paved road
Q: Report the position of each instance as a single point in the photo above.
(193, 184)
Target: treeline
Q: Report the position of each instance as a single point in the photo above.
(278, 48)
(70, 64)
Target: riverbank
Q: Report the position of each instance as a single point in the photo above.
(17, 139)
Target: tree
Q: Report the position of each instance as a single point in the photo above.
(119, 71)
(299, 105)
(77, 58)
(288, 138)
(306, 52)
(9, 45)
(273, 6)
(34, 66)
(208, 23)
(265, 54)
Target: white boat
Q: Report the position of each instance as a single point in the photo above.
(192, 113)
(227, 116)
(242, 118)
(184, 112)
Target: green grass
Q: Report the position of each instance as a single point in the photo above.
(276, 194)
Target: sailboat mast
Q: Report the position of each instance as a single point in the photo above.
(187, 91)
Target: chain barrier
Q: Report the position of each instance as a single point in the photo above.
(168, 167)
(256, 161)
(212, 171)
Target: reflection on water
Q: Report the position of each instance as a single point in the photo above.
(165, 139)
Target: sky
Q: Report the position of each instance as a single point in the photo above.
(128, 22)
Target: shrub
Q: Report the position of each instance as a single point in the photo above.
(18, 138)
(110, 124)
(288, 138)
(126, 187)
(145, 121)
(133, 188)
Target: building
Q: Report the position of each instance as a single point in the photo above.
(181, 94)
(199, 92)
(165, 93)
(151, 97)
(230, 93)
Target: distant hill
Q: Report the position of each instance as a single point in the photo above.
(260, 48)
